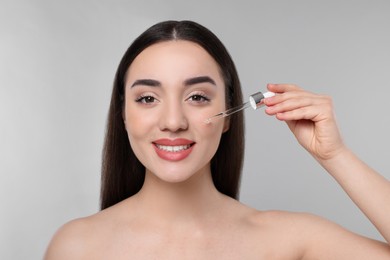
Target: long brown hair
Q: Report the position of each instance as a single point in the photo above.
(122, 173)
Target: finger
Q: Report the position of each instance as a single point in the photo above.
(284, 92)
(290, 101)
(283, 97)
(314, 113)
(281, 88)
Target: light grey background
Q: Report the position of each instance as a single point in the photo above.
(57, 64)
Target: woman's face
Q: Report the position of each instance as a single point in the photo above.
(171, 88)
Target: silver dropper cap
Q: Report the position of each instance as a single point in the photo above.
(256, 100)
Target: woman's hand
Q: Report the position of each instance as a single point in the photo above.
(309, 116)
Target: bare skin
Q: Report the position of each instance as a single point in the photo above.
(190, 219)
(222, 228)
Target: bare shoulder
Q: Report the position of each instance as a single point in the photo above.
(79, 238)
(314, 237)
(70, 240)
(295, 222)
(86, 238)
(289, 223)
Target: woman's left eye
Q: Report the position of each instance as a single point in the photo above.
(198, 98)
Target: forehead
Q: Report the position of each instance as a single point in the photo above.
(178, 56)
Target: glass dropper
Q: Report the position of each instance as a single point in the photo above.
(255, 101)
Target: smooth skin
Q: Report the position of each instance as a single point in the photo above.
(179, 214)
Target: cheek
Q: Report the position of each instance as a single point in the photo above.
(138, 125)
(199, 117)
(208, 130)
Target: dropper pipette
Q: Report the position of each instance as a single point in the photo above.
(255, 101)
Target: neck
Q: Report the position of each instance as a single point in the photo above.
(193, 198)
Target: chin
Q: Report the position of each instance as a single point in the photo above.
(173, 177)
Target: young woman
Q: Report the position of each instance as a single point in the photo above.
(169, 185)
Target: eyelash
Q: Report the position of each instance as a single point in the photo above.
(203, 98)
(148, 99)
(145, 99)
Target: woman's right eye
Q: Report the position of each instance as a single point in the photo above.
(145, 99)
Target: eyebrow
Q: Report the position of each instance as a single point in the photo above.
(147, 82)
(187, 82)
(199, 80)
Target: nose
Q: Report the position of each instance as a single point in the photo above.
(173, 118)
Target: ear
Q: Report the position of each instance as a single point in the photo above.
(226, 125)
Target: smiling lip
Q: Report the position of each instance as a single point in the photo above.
(173, 150)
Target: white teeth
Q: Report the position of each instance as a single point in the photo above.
(177, 148)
